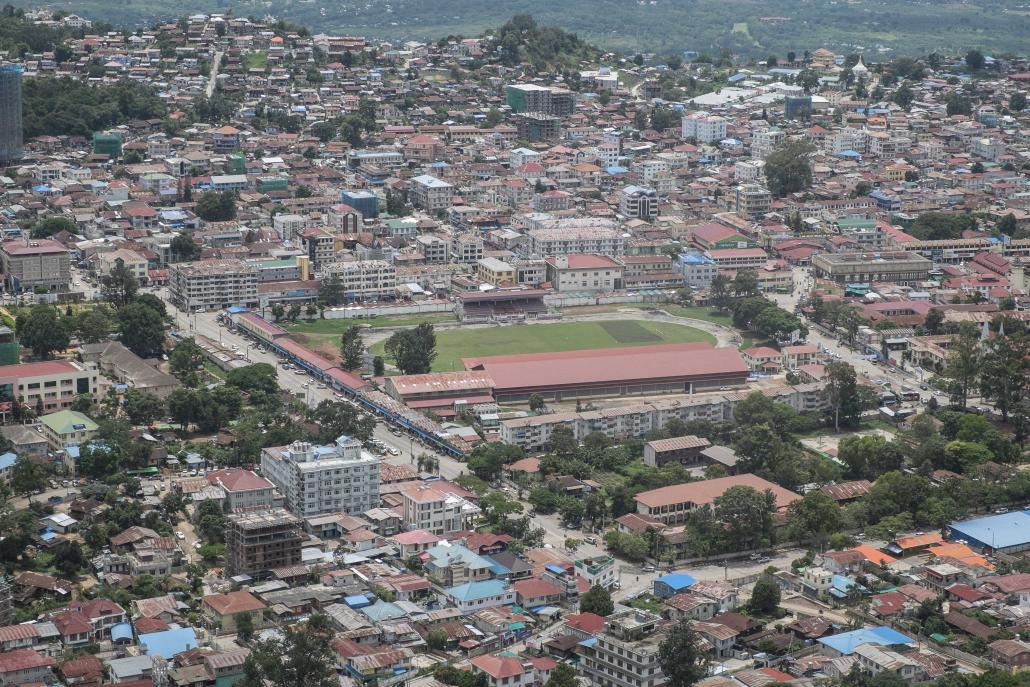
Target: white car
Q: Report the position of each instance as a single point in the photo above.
(179, 535)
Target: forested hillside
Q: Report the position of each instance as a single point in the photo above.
(755, 26)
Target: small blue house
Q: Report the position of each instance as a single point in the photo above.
(671, 584)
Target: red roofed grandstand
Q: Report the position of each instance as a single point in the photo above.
(667, 368)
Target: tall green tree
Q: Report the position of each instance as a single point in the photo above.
(28, 475)
(119, 285)
(413, 350)
(43, 331)
(562, 675)
(142, 330)
(765, 596)
(142, 407)
(963, 367)
(681, 658)
(1005, 372)
(301, 656)
(842, 394)
(184, 361)
(184, 248)
(597, 600)
(352, 349)
(787, 168)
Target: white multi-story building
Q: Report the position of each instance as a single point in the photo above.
(626, 652)
(566, 239)
(364, 279)
(436, 510)
(764, 141)
(637, 202)
(323, 479)
(431, 194)
(703, 128)
(210, 284)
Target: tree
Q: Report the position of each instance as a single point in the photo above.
(43, 331)
(562, 675)
(1017, 101)
(765, 597)
(255, 378)
(120, 284)
(682, 661)
(745, 283)
(301, 656)
(336, 418)
(293, 313)
(957, 105)
(142, 407)
(68, 559)
(245, 626)
(787, 168)
(94, 325)
(720, 291)
(487, 460)
(842, 394)
(975, 60)
(216, 207)
(597, 600)
(352, 349)
(184, 406)
(184, 248)
(903, 97)
(746, 515)
(934, 321)
(28, 475)
(437, 639)
(814, 517)
(571, 511)
(52, 225)
(83, 403)
(142, 330)
(536, 403)
(413, 350)
(184, 361)
(1005, 372)
(378, 366)
(963, 366)
(868, 457)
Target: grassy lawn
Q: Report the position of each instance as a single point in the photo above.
(694, 312)
(255, 60)
(452, 345)
(324, 335)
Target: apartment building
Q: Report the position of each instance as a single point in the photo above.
(626, 652)
(900, 267)
(364, 279)
(494, 271)
(212, 284)
(638, 202)
(764, 141)
(565, 240)
(467, 248)
(259, 541)
(579, 272)
(703, 128)
(340, 478)
(28, 264)
(436, 510)
(245, 490)
(431, 194)
(751, 201)
(55, 383)
(133, 261)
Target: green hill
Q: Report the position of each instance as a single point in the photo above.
(758, 27)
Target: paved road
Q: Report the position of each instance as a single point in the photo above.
(212, 80)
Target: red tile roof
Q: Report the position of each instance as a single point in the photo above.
(708, 490)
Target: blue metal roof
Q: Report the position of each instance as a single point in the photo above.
(847, 642)
(677, 580)
(121, 632)
(169, 643)
(997, 531)
(8, 460)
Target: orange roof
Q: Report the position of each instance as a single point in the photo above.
(919, 540)
(874, 555)
(960, 552)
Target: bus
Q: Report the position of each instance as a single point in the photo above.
(908, 393)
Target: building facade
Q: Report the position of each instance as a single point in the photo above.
(313, 480)
(259, 541)
(211, 284)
